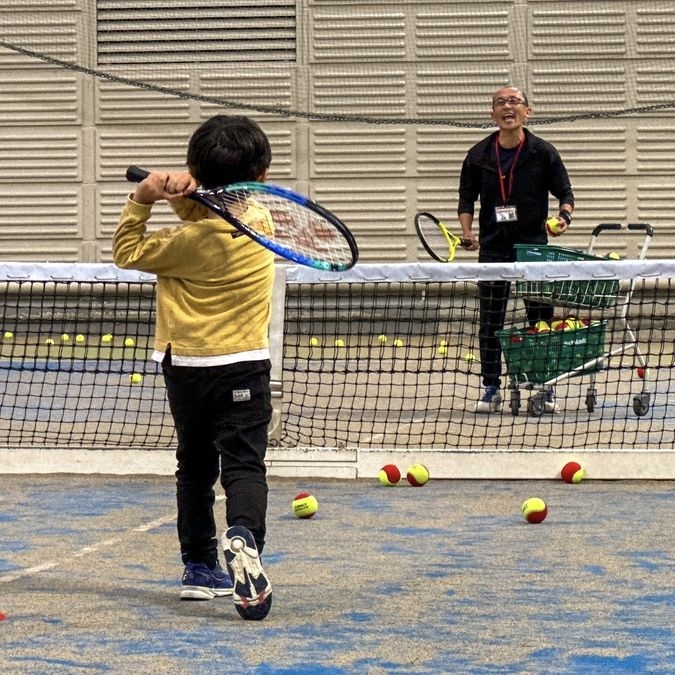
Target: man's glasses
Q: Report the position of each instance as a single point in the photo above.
(511, 100)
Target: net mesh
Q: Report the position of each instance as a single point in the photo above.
(400, 62)
(382, 356)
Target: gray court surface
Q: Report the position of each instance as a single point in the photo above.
(445, 578)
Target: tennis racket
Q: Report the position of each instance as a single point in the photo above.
(300, 230)
(438, 241)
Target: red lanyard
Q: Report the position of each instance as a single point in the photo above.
(505, 194)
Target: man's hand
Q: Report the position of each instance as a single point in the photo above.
(470, 242)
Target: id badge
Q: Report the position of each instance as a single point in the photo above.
(506, 214)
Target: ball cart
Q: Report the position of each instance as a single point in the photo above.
(538, 360)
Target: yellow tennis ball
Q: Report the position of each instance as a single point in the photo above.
(65, 337)
(129, 342)
(8, 335)
(398, 343)
(313, 342)
(304, 505)
(443, 350)
(106, 339)
(470, 356)
(79, 338)
(382, 338)
(49, 341)
(554, 226)
(443, 343)
(417, 475)
(339, 343)
(613, 255)
(135, 378)
(534, 510)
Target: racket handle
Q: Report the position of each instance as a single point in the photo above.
(136, 175)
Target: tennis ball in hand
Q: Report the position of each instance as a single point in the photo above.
(572, 472)
(417, 475)
(534, 510)
(389, 475)
(554, 226)
(304, 505)
(129, 342)
(135, 378)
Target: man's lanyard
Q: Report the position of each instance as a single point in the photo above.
(502, 188)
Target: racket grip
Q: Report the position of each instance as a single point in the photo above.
(136, 175)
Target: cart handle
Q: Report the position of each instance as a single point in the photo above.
(649, 230)
(605, 226)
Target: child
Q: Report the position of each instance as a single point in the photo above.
(214, 291)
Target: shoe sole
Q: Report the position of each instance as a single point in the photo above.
(252, 593)
(196, 593)
(493, 409)
(203, 593)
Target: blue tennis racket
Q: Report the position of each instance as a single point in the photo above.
(287, 223)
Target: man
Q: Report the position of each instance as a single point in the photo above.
(512, 172)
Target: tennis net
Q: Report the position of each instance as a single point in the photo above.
(381, 356)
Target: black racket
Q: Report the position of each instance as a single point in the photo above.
(288, 223)
(436, 238)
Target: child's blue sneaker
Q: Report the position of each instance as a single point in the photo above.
(200, 582)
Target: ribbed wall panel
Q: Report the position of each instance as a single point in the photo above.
(337, 58)
(47, 155)
(375, 152)
(121, 104)
(50, 97)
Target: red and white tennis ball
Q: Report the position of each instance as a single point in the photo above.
(572, 472)
(304, 505)
(534, 510)
(389, 475)
(417, 475)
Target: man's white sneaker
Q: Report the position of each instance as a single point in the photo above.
(491, 400)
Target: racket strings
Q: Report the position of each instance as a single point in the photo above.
(289, 224)
(442, 242)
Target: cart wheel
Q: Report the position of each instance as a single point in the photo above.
(515, 402)
(591, 400)
(641, 404)
(535, 406)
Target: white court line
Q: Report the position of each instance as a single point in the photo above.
(91, 548)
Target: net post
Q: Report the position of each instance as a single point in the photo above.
(276, 340)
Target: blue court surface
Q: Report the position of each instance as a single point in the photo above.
(445, 578)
